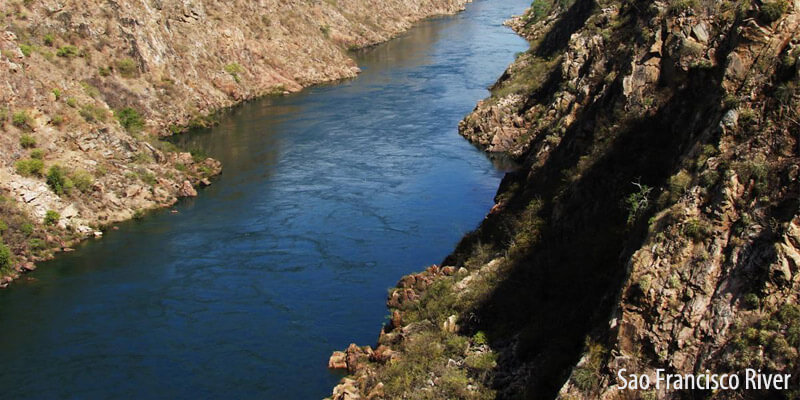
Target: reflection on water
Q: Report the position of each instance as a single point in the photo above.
(327, 198)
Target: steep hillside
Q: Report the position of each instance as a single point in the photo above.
(653, 223)
(89, 87)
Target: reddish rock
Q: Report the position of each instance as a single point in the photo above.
(397, 319)
(449, 271)
(187, 190)
(338, 360)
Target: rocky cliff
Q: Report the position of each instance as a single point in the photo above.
(88, 88)
(654, 223)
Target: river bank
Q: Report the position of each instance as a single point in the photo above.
(91, 92)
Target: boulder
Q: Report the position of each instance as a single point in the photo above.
(187, 190)
(338, 360)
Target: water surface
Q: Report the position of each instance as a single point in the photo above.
(327, 198)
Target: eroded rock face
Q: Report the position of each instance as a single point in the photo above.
(680, 112)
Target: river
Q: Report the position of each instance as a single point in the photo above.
(327, 198)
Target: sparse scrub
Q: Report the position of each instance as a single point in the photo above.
(130, 119)
(82, 180)
(30, 167)
(22, 120)
(26, 49)
(234, 70)
(68, 51)
(697, 229)
(92, 113)
(127, 67)
(27, 141)
(772, 11)
(5, 259)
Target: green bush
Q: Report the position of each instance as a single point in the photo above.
(234, 70)
(22, 120)
(31, 167)
(72, 102)
(82, 180)
(27, 141)
(5, 258)
(127, 67)
(104, 71)
(57, 93)
(26, 49)
(48, 39)
(27, 228)
(771, 11)
(58, 180)
(638, 202)
(130, 119)
(37, 154)
(68, 51)
(51, 217)
(697, 229)
(677, 7)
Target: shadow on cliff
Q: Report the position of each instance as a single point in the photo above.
(564, 287)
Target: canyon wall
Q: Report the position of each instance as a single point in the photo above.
(654, 223)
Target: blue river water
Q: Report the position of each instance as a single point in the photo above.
(327, 198)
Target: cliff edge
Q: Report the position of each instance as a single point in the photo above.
(654, 223)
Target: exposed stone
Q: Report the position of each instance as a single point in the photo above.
(187, 190)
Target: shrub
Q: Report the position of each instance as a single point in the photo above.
(48, 39)
(638, 202)
(480, 339)
(22, 120)
(27, 141)
(51, 217)
(72, 102)
(234, 70)
(5, 258)
(92, 113)
(31, 167)
(677, 7)
(127, 67)
(68, 51)
(26, 49)
(481, 361)
(57, 93)
(82, 180)
(130, 119)
(26, 228)
(57, 120)
(104, 71)
(697, 229)
(37, 154)
(771, 11)
(57, 180)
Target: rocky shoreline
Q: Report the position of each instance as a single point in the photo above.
(92, 90)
